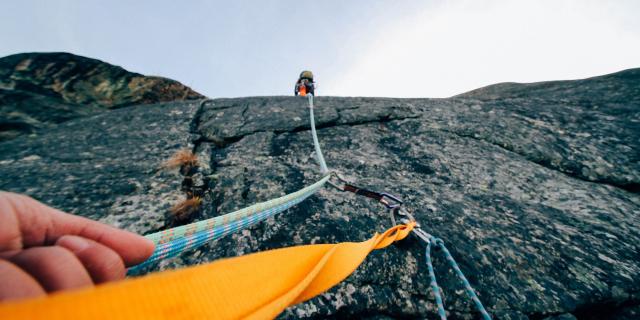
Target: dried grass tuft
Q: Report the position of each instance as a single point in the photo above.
(185, 209)
(181, 158)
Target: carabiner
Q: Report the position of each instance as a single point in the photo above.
(334, 174)
(387, 196)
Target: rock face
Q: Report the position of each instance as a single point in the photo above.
(620, 87)
(70, 86)
(536, 196)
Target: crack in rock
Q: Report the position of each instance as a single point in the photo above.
(630, 187)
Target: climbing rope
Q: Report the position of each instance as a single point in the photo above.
(438, 243)
(316, 144)
(172, 242)
(434, 284)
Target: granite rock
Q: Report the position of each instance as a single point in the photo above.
(39, 90)
(535, 196)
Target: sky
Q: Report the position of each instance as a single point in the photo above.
(355, 48)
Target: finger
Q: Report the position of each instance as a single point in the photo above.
(17, 284)
(102, 263)
(10, 236)
(43, 225)
(55, 268)
(9, 253)
(131, 247)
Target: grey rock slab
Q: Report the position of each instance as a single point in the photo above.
(593, 144)
(230, 119)
(534, 196)
(105, 167)
(525, 235)
(619, 87)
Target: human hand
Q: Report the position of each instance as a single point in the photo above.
(45, 250)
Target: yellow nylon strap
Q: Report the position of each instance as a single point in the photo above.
(256, 286)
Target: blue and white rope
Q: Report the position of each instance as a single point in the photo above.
(434, 284)
(177, 246)
(191, 241)
(467, 286)
(323, 165)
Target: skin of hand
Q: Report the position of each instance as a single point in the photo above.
(43, 250)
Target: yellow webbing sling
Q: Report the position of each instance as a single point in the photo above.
(257, 286)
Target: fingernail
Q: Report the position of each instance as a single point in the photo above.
(73, 243)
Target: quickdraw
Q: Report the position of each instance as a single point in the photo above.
(395, 207)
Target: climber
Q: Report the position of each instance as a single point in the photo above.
(305, 84)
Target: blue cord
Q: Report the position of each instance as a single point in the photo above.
(434, 284)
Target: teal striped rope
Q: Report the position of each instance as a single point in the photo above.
(434, 284)
(172, 242)
(182, 231)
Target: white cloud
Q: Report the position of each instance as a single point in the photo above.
(462, 45)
